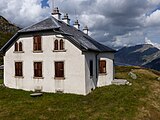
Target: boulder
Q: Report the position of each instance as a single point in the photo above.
(132, 75)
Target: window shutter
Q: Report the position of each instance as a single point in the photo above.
(61, 44)
(18, 69)
(16, 47)
(59, 69)
(38, 69)
(20, 46)
(56, 45)
(102, 66)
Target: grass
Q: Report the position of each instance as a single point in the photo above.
(1, 81)
(140, 101)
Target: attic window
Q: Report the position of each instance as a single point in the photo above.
(56, 45)
(37, 44)
(18, 47)
(59, 46)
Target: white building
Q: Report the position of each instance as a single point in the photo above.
(54, 56)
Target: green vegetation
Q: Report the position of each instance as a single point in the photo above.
(140, 101)
(1, 81)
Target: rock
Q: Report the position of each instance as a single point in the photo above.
(36, 94)
(132, 75)
(119, 82)
(158, 79)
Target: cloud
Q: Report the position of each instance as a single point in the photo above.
(148, 41)
(24, 12)
(115, 23)
(153, 19)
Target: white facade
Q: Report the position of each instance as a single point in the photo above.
(76, 67)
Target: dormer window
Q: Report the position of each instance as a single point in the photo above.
(18, 47)
(59, 46)
(37, 44)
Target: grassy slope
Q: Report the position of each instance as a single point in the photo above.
(139, 101)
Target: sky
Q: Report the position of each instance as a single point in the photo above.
(116, 23)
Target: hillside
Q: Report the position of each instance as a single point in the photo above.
(140, 101)
(139, 55)
(7, 30)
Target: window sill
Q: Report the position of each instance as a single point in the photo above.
(59, 78)
(20, 77)
(38, 77)
(38, 51)
(102, 74)
(59, 50)
(18, 52)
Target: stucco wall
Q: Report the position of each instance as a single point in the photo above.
(74, 67)
(106, 79)
(91, 81)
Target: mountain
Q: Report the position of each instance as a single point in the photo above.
(7, 30)
(145, 55)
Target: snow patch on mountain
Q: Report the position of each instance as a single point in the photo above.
(148, 41)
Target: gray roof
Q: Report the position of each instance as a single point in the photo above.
(80, 39)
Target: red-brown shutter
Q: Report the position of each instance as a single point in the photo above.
(38, 69)
(16, 47)
(18, 69)
(61, 44)
(20, 46)
(37, 44)
(59, 69)
(102, 66)
(56, 45)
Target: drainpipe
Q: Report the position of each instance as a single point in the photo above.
(97, 65)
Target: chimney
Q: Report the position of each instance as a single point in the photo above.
(66, 19)
(56, 14)
(85, 30)
(76, 24)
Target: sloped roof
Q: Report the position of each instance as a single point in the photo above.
(82, 40)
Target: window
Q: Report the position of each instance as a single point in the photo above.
(61, 45)
(59, 69)
(56, 45)
(18, 69)
(16, 47)
(37, 69)
(37, 43)
(20, 46)
(102, 66)
(91, 67)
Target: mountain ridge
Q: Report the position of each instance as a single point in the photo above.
(138, 55)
